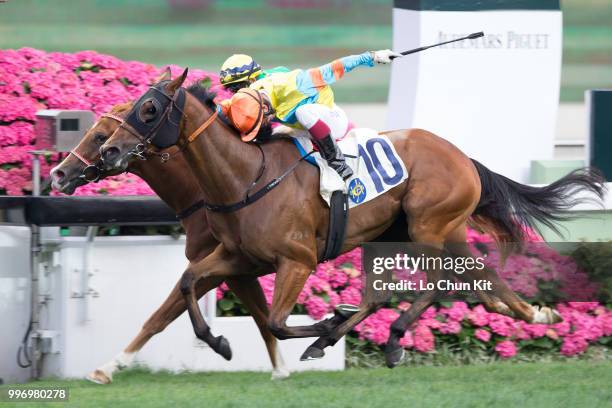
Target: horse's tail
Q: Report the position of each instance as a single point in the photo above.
(507, 208)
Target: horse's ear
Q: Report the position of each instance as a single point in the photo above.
(164, 76)
(177, 82)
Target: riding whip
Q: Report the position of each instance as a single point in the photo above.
(468, 37)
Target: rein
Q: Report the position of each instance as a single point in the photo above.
(250, 199)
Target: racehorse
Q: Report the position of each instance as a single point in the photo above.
(177, 186)
(285, 229)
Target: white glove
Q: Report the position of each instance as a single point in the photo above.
(384, 56)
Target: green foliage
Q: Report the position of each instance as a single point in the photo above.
(596, 260)
(549, 292)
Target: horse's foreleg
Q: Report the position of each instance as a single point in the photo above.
(173, 307)
(219, 264)
(251, 295)
(289, 282)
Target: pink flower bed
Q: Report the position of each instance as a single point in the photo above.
(340, 281)
(32, 79)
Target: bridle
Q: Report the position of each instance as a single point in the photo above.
(92, 171)
(163, 132)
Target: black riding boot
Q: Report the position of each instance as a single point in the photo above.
(329, 151)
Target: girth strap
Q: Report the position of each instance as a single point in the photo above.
(338, 219)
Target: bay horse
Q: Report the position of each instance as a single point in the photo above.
(175, 184)
(285, 229)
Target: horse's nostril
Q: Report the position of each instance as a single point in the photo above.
(58, 175)
(110, 153)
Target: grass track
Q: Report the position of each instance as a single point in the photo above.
(568, 384)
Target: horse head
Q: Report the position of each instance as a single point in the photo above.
(83, 164)
(152, 124)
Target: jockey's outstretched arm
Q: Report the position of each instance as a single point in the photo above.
(329, 73)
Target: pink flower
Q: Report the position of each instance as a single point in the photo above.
(535, 330)
(502, 325)
(482, 335)
(457, 311)
(351, 296)
(338, 279)
(605, 319)
(479, 316)
(450, 327)
(431, 323)
(424, 340)
(267, 284)
(407, 341)
(376, 327)
(573, 344)
(316, 307)
(506, 349)
(221, 290)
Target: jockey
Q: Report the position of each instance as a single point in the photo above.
(304, 99)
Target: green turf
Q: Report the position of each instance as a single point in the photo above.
(148, 30)
(569, 384)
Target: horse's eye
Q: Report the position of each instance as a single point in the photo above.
(151, 110)
(100, 138)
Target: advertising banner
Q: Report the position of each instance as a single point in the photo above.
(495, 97)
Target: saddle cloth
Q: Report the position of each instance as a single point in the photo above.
(376, 166)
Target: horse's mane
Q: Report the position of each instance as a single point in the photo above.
(203, 94)
(122, 108)
(207, 98)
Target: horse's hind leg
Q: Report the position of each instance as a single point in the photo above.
(315, 350)
(251, 295)
(432, 215)
(501, 299)
(394, 352)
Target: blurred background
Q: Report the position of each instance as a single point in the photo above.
(294, 33)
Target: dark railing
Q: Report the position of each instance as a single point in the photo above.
(72, 211)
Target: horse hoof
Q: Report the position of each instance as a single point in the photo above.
(394, 357)
(555, 316)
(280, 374)
(98, 377)
(312, 353)
(223, 348)
(546, 315)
